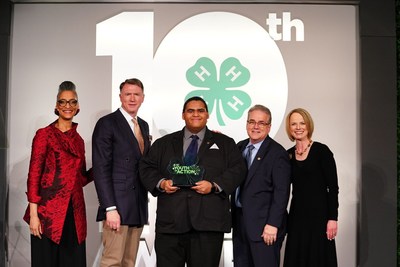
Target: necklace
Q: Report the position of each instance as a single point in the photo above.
(300, 153)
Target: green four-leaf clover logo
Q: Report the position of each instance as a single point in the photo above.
(219, 92)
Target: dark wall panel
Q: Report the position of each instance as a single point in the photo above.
(377, 230)
(5, 21)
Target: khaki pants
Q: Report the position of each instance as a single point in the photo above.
(120, 247)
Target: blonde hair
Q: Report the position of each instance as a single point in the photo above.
(307, 120)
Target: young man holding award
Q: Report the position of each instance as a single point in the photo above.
(192, 172)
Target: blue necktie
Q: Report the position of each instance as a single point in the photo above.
(248, 155)
(191, 152)
(248, 160)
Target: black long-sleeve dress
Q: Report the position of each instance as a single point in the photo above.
(314, 202)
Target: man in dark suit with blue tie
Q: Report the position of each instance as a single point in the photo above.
(120, 139)
(259, 204)
(193, 213)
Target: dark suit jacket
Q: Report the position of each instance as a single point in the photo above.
(116, 156)
(185, 209)
(265, 192)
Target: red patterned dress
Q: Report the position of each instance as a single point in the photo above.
(57, 174)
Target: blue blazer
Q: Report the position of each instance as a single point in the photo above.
(116, 156)
(265, 192)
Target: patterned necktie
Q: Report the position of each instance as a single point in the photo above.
(191, 151)
(138, 135)
(248, 160)
(248, 155)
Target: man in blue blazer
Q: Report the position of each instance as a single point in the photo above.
(120, 139)
(259, 204)
(192, 218)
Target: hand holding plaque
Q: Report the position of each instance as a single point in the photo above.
(185, 175)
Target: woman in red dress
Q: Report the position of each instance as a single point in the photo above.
(57, 173)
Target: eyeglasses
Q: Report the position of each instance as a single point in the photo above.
(63, 102)
(260, 124)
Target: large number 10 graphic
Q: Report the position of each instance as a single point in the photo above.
(226, 58)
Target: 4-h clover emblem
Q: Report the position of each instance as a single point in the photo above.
(218, 93)
(229, 60)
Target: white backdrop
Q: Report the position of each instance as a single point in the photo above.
(289, 55)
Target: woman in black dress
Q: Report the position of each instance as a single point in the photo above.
(312, 223)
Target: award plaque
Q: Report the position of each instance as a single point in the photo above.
(183, 175)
